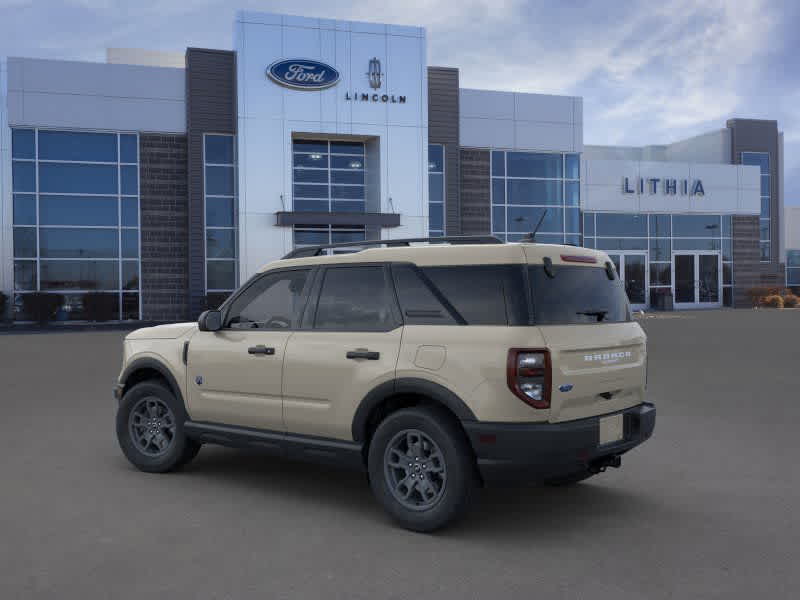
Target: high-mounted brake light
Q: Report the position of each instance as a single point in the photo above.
(578, 258)
(529, 376)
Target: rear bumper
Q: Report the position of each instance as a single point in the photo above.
(541, 451)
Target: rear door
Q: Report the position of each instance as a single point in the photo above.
(348, 345)
(598, 354)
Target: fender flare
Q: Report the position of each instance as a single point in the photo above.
(407, 385)
(152, 363)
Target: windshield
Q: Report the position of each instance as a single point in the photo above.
(576, 294)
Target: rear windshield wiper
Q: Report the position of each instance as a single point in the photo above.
(600, 314)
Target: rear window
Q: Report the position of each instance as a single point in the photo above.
(577, 295)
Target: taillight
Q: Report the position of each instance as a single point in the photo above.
(529, 376)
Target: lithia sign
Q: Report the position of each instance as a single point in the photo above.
(667, 186)
(306, 74)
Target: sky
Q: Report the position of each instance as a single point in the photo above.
(649, 72)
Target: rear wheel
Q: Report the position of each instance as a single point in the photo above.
(421, 468)
(150, 429)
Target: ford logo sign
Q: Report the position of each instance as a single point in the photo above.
(303, 74)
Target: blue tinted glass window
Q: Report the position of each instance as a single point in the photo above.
(696, 225)
(130, 275)
(727, 226)
(523, 219)
(356, 177)
(130, 243)
(765, 185)
(342, 237)
(311, 205)
(313, 237)
(312, 175)
(695, 244)
(764, 229)
(80, 275)
(498, 191)
(498, 163)
(129, 180)
(219, 149)
(759, 159)
(78, 243)
(24, 275)
(310, 146)
(128, 148)
(80, 146)
(498, 218)
(24, 209)
(621, 244)
(348, 206)
(130, 212)
(523, 191)
(23, 176)
(23, 143)
(766, 251)
(436, 217)
(219, 212)
(220, 243)
(220, 274)
(436, 187)
(529, 164)
(765, 208)
(572, 220)
(25, 242)
(572, 189)
(219, 181)
(793, 258)
(77, 179)
(623, 225)
(337, 162)
(77, 210)
(573, 166)
(727, 249)
(435, 158)
(347, 148)
(660, 249)
(348, 192)
(588, 224)
(660, 226)
(573, 239)
(310, 191)
(320, 161)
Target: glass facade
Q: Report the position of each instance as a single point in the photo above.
(761, 160)
(528, 187)
(793, 268)
(219, 160)
(659, 236)
(328, 176)
(436, 193)
(76, 219)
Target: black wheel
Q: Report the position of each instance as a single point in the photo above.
(570, 479)
(421, 468)
(150, 429)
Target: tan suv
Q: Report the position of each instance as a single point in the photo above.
(436, 368)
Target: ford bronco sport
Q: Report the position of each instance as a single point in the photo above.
(435, 368)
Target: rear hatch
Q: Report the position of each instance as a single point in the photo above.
(598, 354)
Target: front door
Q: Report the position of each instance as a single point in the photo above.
(696, 279)
(632, 269)
(235, 374)
(349, 345)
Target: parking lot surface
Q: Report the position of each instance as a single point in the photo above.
(706, 509)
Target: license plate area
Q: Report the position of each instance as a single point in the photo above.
(612, 429)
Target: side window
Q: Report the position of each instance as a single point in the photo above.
(483, 295)
(419, 304)
(271, 302)
(355, 299)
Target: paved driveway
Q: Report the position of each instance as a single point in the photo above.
(707, 509)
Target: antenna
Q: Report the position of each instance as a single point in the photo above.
(532, 236)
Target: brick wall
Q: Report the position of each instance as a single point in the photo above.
(165, 227)
(748, 271)
(476, 215)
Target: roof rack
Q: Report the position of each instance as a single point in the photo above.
(452, 239)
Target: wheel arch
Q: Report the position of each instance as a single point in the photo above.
(146, 368)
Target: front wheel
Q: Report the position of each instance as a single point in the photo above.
(421, 468)
(150, 429)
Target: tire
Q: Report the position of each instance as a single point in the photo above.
(152, 411)
(571, 479)
(421, 468)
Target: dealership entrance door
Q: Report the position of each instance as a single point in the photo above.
(697, 279)
(632, 269)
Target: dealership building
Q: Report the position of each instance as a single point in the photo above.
(166, 179)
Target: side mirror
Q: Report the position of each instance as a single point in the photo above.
(210, 320)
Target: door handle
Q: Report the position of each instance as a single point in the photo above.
(363, 353)
(261, 349)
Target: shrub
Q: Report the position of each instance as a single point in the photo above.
(773, 301)
(790, 301)
(41, 306)
(98, 306)
(3, 306)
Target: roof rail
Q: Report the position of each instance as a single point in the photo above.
(452, 239)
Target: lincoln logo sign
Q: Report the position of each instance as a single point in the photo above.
(302, 74)
(670, 187)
